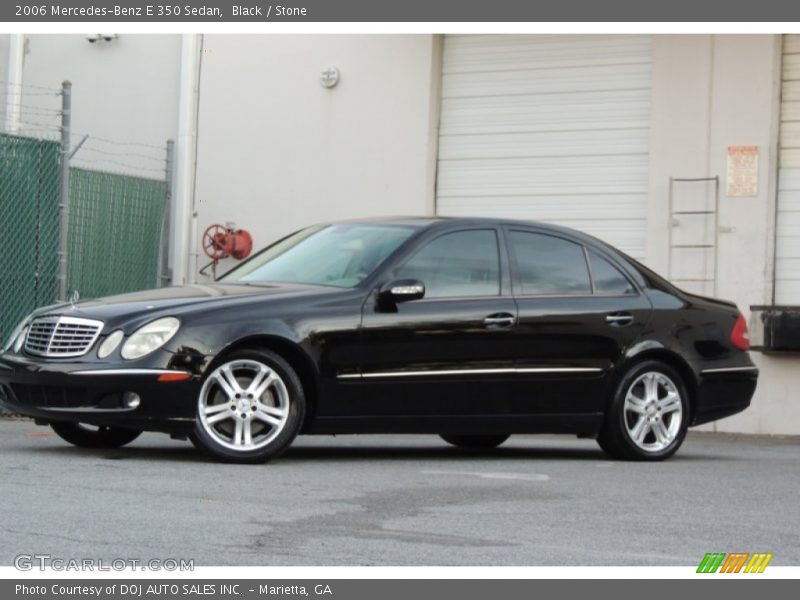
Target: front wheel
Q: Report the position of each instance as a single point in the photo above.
(250, 407)
(475, 442)
(648, 416)
(94, 436)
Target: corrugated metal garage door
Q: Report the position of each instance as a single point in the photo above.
(552, 128)
(787, 243)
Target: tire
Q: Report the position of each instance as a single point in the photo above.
(649, 414)
(92, 436)
(195, 442)
(475, 442)
(250, 408)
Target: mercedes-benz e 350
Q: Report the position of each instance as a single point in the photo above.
(472, 329)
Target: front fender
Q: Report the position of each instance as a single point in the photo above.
(199, 343)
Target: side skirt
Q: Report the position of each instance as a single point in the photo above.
(584, 424)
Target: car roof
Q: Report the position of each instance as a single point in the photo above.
(431, 221)
(416, 221)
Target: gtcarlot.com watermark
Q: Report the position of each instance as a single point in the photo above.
(43, 562)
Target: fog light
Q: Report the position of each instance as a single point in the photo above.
(131, 400)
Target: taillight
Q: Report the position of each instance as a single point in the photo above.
(739, 337)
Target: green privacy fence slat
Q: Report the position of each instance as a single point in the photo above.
(114, 232)
(29, 181)
(114, 229)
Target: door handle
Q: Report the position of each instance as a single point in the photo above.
(499, 320)
(620, 319)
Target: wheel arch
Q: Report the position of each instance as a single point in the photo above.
(668, 357)
(292, 353)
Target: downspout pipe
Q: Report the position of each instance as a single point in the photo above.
(185, 151)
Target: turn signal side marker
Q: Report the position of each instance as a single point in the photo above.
(176, 376)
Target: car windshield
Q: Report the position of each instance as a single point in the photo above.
(339, 255)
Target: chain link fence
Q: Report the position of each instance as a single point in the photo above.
(115, 232)
(29, 192)
(116, 198)
(30, 162)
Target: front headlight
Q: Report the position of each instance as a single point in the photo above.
(150, 337)
(18, 334)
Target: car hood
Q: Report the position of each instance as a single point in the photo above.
(177, 300)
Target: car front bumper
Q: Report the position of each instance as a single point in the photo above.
(155, 397)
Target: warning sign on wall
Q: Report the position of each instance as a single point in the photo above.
(742, 176)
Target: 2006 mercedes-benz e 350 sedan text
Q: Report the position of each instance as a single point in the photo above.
(473, 329)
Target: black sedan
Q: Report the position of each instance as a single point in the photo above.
(472, 329)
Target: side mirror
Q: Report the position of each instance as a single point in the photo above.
(403, 290)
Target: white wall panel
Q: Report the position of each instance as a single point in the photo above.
(787, 243)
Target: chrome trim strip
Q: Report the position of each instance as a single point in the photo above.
(499, 371)
(559, 370)
(127, 372)
(440, 372)
(728, 370)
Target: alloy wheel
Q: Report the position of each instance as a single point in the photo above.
(243, 405)
(653, 411)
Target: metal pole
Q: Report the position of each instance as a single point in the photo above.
(165, 277)
(16, 66)
(185, 146)
(63, 192)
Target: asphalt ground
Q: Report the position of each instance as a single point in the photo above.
(399, 500)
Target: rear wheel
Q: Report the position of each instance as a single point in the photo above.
(475, 442)
(94, 436)
(250, 407)
(649, 414)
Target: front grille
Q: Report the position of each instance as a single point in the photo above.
(61, 337)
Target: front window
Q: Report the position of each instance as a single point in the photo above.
(459, 264)
(340, 255)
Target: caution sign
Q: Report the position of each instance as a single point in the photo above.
(742, 172)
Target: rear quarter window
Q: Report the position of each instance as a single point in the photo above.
(550, 265)
(608, 279)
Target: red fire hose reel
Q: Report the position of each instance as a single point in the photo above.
(223, 241)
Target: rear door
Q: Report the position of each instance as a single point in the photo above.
(578, 313)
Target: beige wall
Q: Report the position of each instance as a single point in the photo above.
(711, 92)
(277, 151)
(125, 90)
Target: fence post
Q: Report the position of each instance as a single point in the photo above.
(165, 275)
(63, 191)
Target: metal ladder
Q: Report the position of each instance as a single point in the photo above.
(709, 275)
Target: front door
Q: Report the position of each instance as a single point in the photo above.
(449, 353)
